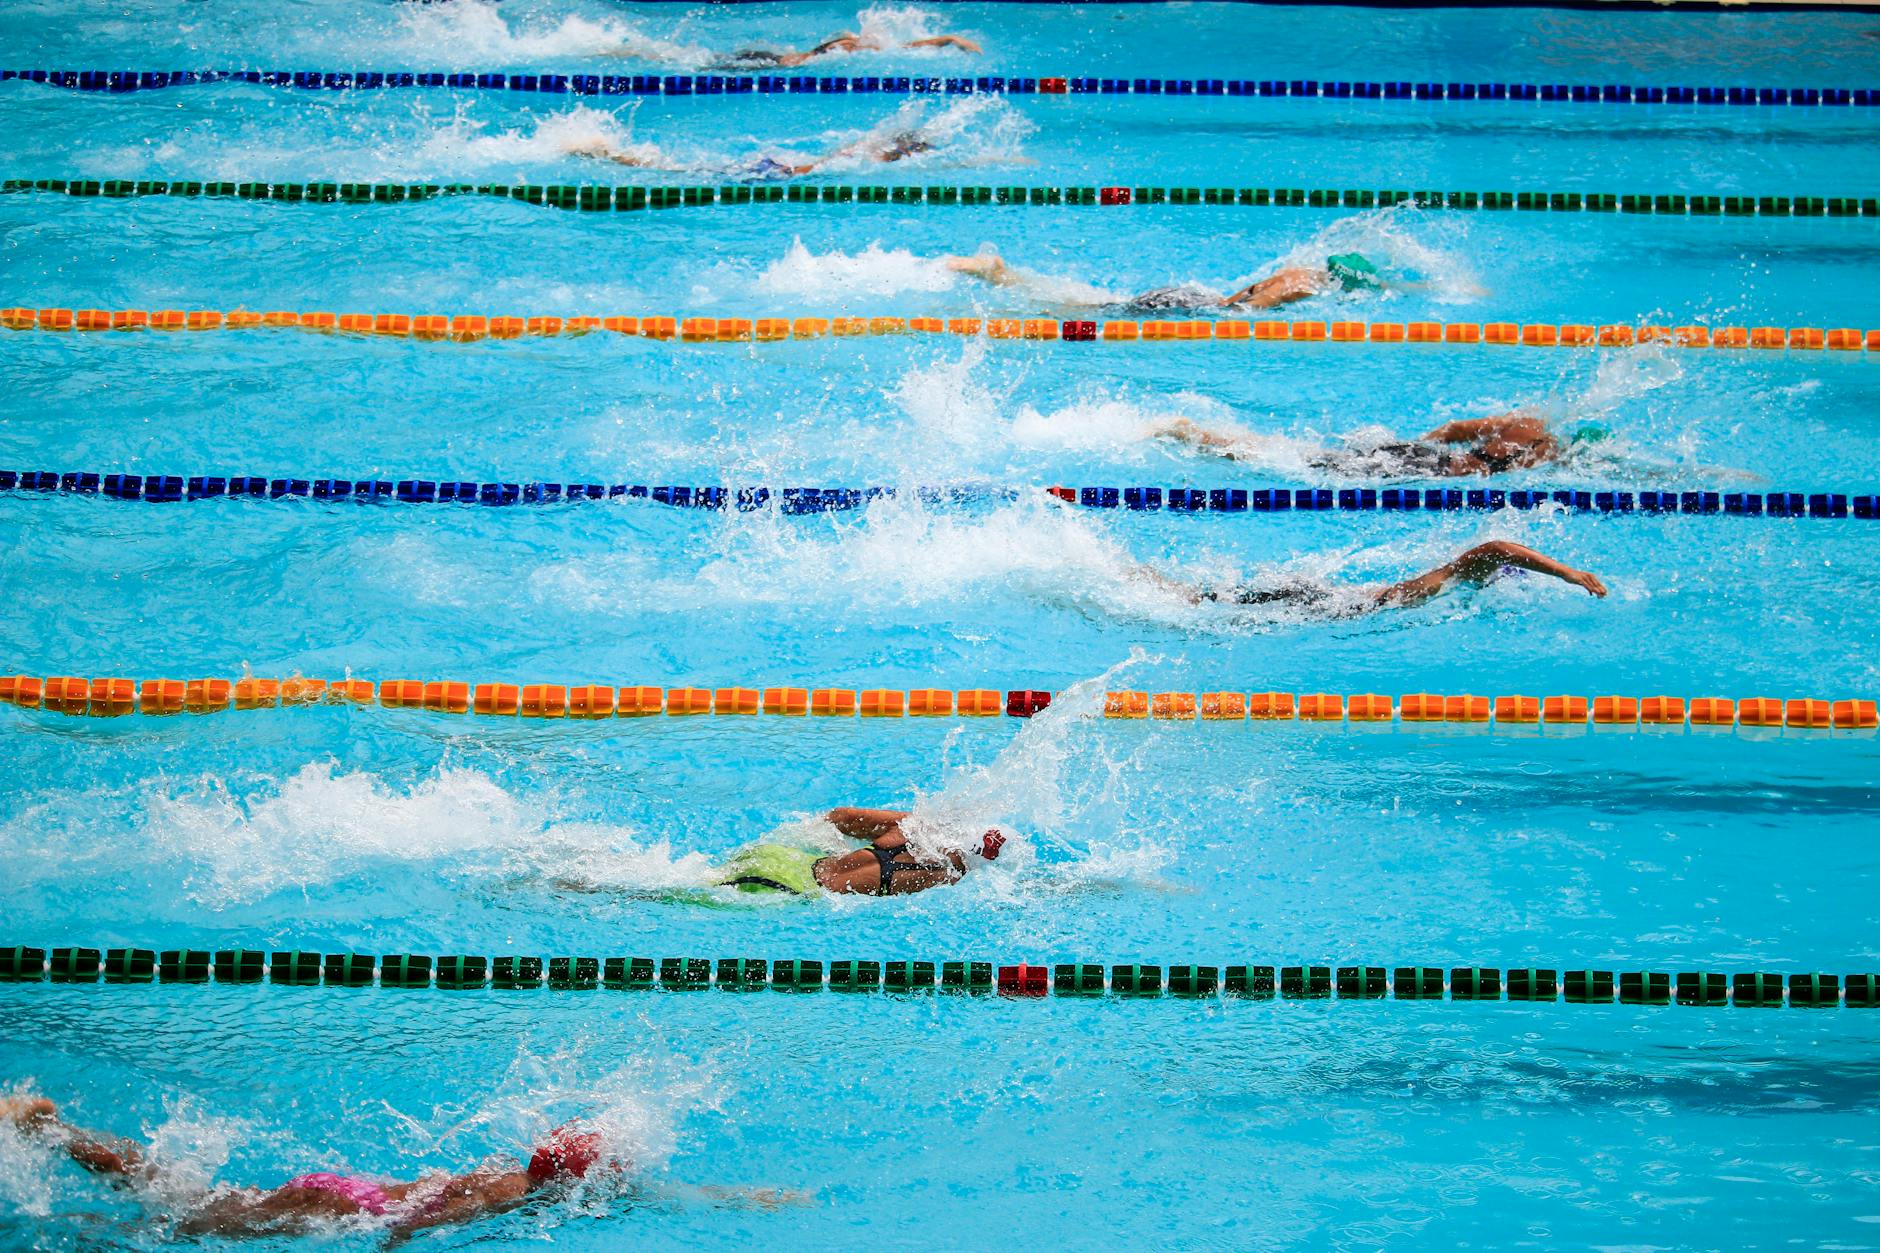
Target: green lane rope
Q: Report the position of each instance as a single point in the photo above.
(134, 966)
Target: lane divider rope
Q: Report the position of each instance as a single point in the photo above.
(124, 82)
(114, 697)
(173, 488)
(123, 967)
(469, 328)
(597, 197)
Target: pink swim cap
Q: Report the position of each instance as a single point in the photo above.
(565, 1152)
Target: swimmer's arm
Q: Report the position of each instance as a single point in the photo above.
(463, 1199)
(1480, 563)
(1184, 431)
(945, 41)
(988, 267)
(1155, 578)
(1468, 430)
(600, 151)
(865, 824)
(1290, 284)
(1476, 567)
(733, 1198)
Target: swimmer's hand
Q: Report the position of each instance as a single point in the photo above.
(28, 1112)
(601, 150)
(1588, 580)
(751, 1198)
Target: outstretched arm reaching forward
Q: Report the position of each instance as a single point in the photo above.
(1480, 564)
(944, 41)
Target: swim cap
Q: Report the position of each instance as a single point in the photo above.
(1352, 271)
(990, 844)
(565, 1152)
(1591, 433)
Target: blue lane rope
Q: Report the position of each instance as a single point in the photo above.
(126, 81)
(169, 488)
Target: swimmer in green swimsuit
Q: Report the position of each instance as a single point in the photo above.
(1347, 271)
(887, 867)
(1474, 567)
(1473, 446)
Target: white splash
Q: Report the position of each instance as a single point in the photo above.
(1398, 240)
(893, 25)
(477, 34)
(874, 271)
(321, 825)
(466, 142)
(971, 131)
(637, 1107)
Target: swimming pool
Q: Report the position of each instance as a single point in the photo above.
(943, 1121)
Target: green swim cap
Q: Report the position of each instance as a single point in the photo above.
(1352, 271)
(1591, 433)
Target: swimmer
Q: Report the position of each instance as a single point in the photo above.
(887, 867)
(896, 147)
(840, 43)
(1473, 446)
(307, 1202)
(1349, 271)
(1479, 565)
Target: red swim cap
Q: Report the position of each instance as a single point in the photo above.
(989, 846)
(565, 1151)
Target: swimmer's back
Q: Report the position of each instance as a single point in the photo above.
(1182, 297)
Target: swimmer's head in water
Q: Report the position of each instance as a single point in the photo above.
(1352, 271)
(906, 144)
(768, 167)
(564, 1154)
(1590, 433)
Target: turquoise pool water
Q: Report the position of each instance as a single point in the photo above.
(941, 1122)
